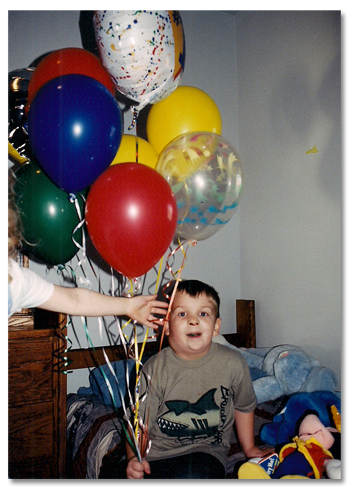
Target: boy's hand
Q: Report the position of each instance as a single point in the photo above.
(135, 470)
(255, 452)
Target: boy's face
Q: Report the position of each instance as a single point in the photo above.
(192, 324)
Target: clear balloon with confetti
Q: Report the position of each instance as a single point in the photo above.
(205, 173)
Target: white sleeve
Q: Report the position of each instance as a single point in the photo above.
(26, 288)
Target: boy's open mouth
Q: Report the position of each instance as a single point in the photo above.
(194, 334)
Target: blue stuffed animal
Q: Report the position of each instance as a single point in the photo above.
(284, 370)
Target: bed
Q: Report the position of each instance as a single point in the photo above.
(95, 445)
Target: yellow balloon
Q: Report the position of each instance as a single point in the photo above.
(187, 109)
(134, 149)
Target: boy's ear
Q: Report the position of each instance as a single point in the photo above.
(166, 328)
(217, 327)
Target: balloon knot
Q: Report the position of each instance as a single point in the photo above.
(72, 197)
(193, 243)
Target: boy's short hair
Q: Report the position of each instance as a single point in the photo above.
(194, 288)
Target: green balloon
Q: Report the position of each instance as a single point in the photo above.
(48, 217)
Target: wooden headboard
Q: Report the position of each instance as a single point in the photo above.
(244, 337)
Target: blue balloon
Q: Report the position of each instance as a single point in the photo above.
(75, 128)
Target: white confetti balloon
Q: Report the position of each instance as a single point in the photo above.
(142, 50)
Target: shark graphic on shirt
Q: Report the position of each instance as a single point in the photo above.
(185, 420)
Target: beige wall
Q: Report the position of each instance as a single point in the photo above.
(288, 69)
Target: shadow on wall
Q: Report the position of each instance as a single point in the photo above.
(298, 107)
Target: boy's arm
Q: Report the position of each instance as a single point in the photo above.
(245, 431)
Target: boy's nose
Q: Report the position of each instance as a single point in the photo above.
(193, 321)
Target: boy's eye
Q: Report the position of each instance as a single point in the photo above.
(182, 313)
(203, 313)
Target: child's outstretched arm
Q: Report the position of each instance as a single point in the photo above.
(83, 302)
(245, 431)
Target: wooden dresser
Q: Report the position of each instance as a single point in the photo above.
(37, 396)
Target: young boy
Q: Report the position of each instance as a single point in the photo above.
(191, 394)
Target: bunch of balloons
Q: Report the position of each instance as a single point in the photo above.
(65, 127)
(185, 180)
(74, 131)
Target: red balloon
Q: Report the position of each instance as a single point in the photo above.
(131, 217)
(68, 61)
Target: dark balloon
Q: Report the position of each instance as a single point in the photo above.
(75, 128)
(18, 82)
(48, 217)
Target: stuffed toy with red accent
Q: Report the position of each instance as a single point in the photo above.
(313, 454)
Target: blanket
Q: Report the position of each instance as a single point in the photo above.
(93, 429)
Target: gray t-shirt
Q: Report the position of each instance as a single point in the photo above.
(188, 406)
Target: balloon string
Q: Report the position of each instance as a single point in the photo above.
(63, 360)
(67, 361)
(155, 292)
(134, 445)
(158, 276)
(176, 274)
(145, 443)
(135, 115)
(140, 431)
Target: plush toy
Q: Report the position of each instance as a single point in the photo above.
(284, 370)
(313, 453)
(283, 426)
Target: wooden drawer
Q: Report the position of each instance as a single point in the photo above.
(37, 400)
(30, 383)
(31, 441)
(31, 431)
(24, 351)
(33, 469)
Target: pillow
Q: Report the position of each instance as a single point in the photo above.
(124, 370)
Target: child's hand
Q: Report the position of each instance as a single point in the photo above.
(255, 452)
(143, 308)
(135, 470)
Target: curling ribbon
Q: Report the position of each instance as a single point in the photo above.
(63, 360)
(176, 277)
(139, 429)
